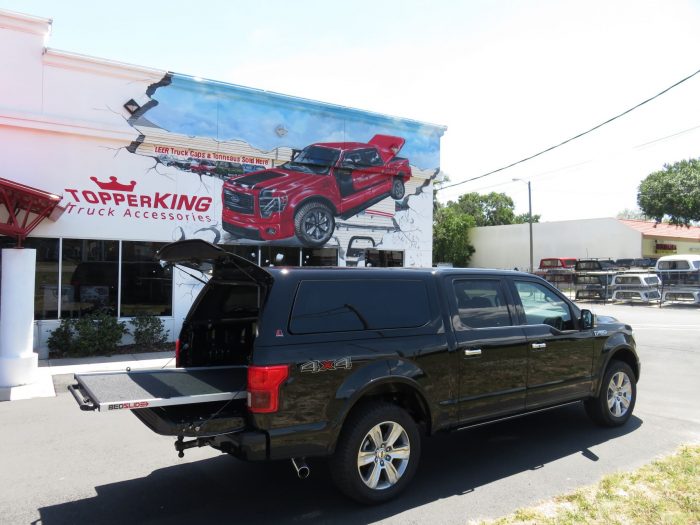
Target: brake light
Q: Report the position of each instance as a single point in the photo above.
(264, 387)
(177, 352)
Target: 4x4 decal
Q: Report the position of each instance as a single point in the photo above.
(326, 365)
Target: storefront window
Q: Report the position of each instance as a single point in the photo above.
(46, 275)
(147, 287)
(246, 251)
(89, 277)
(383, 258)
(319, 257)
(279, 256)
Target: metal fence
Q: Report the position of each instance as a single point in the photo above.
(627, 285)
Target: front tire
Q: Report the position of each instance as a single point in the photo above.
(377, 453)
(314, 224)
(618, 393)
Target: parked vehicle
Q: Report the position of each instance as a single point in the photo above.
(358, 364)
(558, 263)
(642, 263)
(636, 287)
(593, 278)
(557, 270)
(680, 278)
(304, 196)
(203, 167)
(225, 169)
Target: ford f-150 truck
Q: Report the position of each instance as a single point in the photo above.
(302, 197)
(360, 364)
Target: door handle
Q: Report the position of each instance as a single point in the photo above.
(539, 346)
(471, 353)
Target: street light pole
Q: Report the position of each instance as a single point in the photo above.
(529, 219)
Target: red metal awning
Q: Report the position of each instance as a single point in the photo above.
(26, 208)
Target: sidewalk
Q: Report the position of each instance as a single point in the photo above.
(56, 374)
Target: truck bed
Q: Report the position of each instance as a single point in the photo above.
(128, 390)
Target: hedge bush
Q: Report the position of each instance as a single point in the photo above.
(149, 332)
(95, 334)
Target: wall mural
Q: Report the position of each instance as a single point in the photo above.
(280, 170)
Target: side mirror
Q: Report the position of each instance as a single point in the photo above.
(587, 320)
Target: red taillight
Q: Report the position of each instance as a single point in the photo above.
(264, 387)
(177, 352)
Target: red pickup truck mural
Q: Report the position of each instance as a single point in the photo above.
(304, 196)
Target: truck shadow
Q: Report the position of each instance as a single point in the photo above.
(223, 489)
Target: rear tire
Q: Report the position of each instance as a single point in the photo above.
(398, 188)
(377, 453)
(618, 393)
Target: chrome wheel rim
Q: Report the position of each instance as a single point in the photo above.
(619, 394)
(317, 224)
(384, 455)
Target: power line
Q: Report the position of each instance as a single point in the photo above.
(572, 138)
(673, 135)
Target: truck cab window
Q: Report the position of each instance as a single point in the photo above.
(542, 306)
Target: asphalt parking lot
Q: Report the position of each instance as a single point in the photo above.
(61, 465)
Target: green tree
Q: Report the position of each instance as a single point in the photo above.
(491, 209)
(673, 192)
(487, 210)
(523, 218)
(451, 236)
(634, 213)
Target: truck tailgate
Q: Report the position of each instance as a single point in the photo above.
(128, 390)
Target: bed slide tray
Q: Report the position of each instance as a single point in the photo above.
(129, 390)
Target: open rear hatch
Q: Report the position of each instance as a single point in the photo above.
(191, 402)
(206, 394)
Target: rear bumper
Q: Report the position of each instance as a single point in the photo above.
(250, 445)
(283, 443)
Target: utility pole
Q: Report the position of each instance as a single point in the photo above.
(529, 220)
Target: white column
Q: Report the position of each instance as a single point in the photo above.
(18, 362)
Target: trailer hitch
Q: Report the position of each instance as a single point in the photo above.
(181, 445)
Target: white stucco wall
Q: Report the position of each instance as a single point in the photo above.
(64, 129)
(508, 246)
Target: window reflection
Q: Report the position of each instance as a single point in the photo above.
(89, 277)
(319, 257)
(248, 252)
(279, 256)
(146, 285)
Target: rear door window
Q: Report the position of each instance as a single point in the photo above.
(358, 304)
(481, 303)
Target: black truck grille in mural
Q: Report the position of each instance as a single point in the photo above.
(239, 202)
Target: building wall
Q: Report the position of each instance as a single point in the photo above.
(660, 246)
(131, 173)
(508, 246)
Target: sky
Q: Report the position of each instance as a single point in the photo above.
(507, 78)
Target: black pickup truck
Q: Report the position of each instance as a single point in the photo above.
(358, 364)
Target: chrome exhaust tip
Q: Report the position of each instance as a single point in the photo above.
(301, 467)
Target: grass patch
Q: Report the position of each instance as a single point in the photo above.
(665, 492)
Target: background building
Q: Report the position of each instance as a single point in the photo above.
(508, 246)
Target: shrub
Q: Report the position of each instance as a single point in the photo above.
(61, 340)
(94, 334)
(98, 334)
(149, 331)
